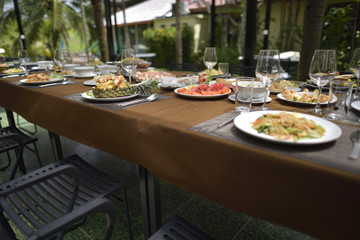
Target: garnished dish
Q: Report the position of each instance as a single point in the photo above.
(279, 85)
(227, 82)
(110, 87)
(156, 75)
(204, 90)
(306, 97)
(173, 82)
(5, 70)
(287, 127)
(40, 78)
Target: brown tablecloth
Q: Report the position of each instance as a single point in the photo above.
(320, 200)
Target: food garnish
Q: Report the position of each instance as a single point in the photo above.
(205, 89)
(287, 126)
(280, 85)
(305, 96)
(39, 77)
(110, 86)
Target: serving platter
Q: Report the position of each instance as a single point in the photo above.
(89, 96)
(244, 123)
(52, 80)
(280, 96)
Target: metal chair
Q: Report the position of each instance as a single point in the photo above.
(192, 67)
(41, 206)
(178, 228)
(7, 145)
(94, 184)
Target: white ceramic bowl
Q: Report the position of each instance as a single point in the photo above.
(84, 71)
(44, 64)
(104, 69)
(70, 67)
(259, 88)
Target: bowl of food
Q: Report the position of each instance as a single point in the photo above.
(84, 70)
(143, 64)
(259, 88)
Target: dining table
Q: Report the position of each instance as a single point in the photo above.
(312, 188)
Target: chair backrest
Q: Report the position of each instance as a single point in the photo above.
(192, 67)
(248, 71)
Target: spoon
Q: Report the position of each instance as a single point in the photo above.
(355, 138)
(151, 98)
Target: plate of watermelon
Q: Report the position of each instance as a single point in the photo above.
(204, 90)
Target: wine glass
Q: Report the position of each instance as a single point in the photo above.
(267, 70)
(23, 58)
(224, 68)
(210, 58)
(322, 71)
(60, 59)
(355, 68)
(128, 61)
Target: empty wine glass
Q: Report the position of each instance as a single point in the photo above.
(224, 68)
(267, 70)
(128, 61)
(60, 59)
(322, 71)
(355, 68)
(23, 58)
(210, 58)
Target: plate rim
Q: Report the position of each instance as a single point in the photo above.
(280, 96)
(86, 76)
(117, 99)
(53, 80)
(321, 121)
(200, 96)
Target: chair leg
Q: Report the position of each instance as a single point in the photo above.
(25, 130)
(8, 162)
(126, 206)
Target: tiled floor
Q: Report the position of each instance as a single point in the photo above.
(217, 221)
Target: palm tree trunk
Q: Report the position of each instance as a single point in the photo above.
(100, 29)
(83, 17)
(242, 30)
(179, 56)
(126, 29)
(65, 36)
(312, 28)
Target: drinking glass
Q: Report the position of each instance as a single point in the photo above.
(128, 61)
(322, 71)
(23, 58)
(224, 68)
(355, 68)
(210, 58)
(267, 70)
(60, 59)
(341, 90)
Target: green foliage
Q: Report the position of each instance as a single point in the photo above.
(337, 34)
(162, 42)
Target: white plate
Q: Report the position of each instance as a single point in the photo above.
(255, 101)
(199, 96)
(244, 123)
(356, 105)
(304, 103)
(84, 76)
(116, 99)
(68, 75)
(52, 80)
(296, 89)
(9, 74)
(90, 83)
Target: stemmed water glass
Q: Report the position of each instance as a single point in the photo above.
(210, 58)
(60, 59)
(128, 61)
(267, 70)
(355, 68)
(322, 71)
(23, 58)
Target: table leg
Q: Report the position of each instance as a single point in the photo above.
(56, 146)
(150, 201)
(10, 118)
